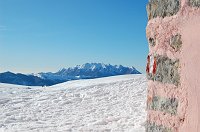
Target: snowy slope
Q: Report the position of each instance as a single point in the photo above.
(105, 104)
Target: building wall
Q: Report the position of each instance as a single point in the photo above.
(173, 66)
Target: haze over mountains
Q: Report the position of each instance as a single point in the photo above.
(85, 71)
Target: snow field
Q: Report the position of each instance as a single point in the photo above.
(107, 104)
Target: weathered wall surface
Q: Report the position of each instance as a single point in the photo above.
(173, 66)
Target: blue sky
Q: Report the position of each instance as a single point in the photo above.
(47, 35)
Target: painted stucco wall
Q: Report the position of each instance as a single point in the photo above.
(173, 66)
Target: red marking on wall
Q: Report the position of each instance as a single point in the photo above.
(154, 66)
(151, 64)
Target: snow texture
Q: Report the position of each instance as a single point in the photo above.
(107, 104)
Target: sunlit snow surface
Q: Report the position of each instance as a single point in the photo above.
(107, 104)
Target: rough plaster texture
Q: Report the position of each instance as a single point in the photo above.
(162, 8)
(168, 105)
(152, 127)
(152, 42)
(195, 3)
(176, 37)
(176, 42)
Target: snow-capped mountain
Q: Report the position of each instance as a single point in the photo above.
(85, 71)
(89, 71)
(22, 79)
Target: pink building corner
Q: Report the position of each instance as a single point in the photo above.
(173, 66)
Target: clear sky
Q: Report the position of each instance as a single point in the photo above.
(47, 35)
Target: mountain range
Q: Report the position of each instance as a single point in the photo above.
(85, 71)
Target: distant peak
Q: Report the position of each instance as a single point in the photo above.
(8, 72)
(91, 65)
(95, 66)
